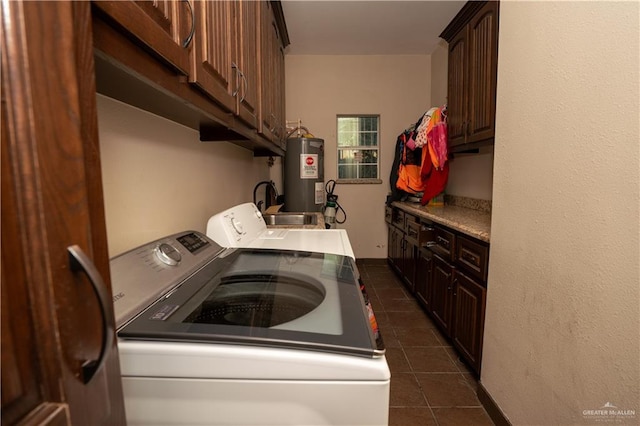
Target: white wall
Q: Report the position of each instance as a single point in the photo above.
(470, 175)
(439, 70)
(160, 179)
(396, 87)
(562, 330)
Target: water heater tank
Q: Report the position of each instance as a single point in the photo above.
(304, 175)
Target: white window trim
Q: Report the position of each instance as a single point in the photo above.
(359, 147)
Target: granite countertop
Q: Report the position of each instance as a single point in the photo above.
(475, 223)
(319, 225)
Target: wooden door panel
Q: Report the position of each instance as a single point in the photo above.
(212, 64)
(268, 36)
(248, 61)
(51, 143)
(468, 326)
(423, 279)
(457, 89)
(483, 58)
(162, 25)
(441, 296)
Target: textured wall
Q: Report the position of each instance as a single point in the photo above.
(562, 328)
(396, 87)
(159, 178)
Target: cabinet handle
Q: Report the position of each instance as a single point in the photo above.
(443, 241)
(471, 258)
(245, 86)
(234, 67)
(187, 41)
(80, 262)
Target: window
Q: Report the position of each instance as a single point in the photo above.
(358, 146)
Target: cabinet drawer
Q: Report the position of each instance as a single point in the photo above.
(444, 243)
(412, 231)
(473, 257)
(420, 233)
(388, 213)
(398, 219)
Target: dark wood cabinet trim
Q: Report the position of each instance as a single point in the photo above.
(278, 14)
(461, 19)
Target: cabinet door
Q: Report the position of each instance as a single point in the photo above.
(483, 68)
(162, 25)
(279, 103)
(468, 313)
(423, 278)
(272, 121)
(442, 278)
(247, 60)
(396, 249)
(409, 264)
(51, 200)
(390, 243)
(457, 89)
(212, 56)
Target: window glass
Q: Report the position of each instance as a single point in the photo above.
(358, 146)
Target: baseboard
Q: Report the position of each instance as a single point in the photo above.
(491, 407)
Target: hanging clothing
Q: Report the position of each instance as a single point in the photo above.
(421, 129)
(437, 139)
(435, 183)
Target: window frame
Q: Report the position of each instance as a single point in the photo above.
(376, 147)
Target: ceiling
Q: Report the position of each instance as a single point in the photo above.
(324, 27)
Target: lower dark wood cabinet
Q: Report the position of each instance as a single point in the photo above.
(441, 299)
(467, 326)
(423, 285)
(446, 272)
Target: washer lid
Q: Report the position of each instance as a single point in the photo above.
(274, 298)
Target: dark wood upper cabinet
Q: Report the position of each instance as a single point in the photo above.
(457, 88)
(273, 40)
(247, 58)
(213, 54)
(472, 75)
(213, 66)
(55, 327)
(165, 26)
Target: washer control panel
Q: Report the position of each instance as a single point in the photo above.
(237, 226)
(143, 274)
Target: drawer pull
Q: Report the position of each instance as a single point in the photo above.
(443, 241)
(470, 257)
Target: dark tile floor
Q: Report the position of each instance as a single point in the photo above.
(429, 384)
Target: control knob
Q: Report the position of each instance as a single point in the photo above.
(167, 254)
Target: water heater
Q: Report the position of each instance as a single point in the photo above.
(304, 175)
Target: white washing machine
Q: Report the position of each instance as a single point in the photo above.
(243, 336)
(243, 226)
